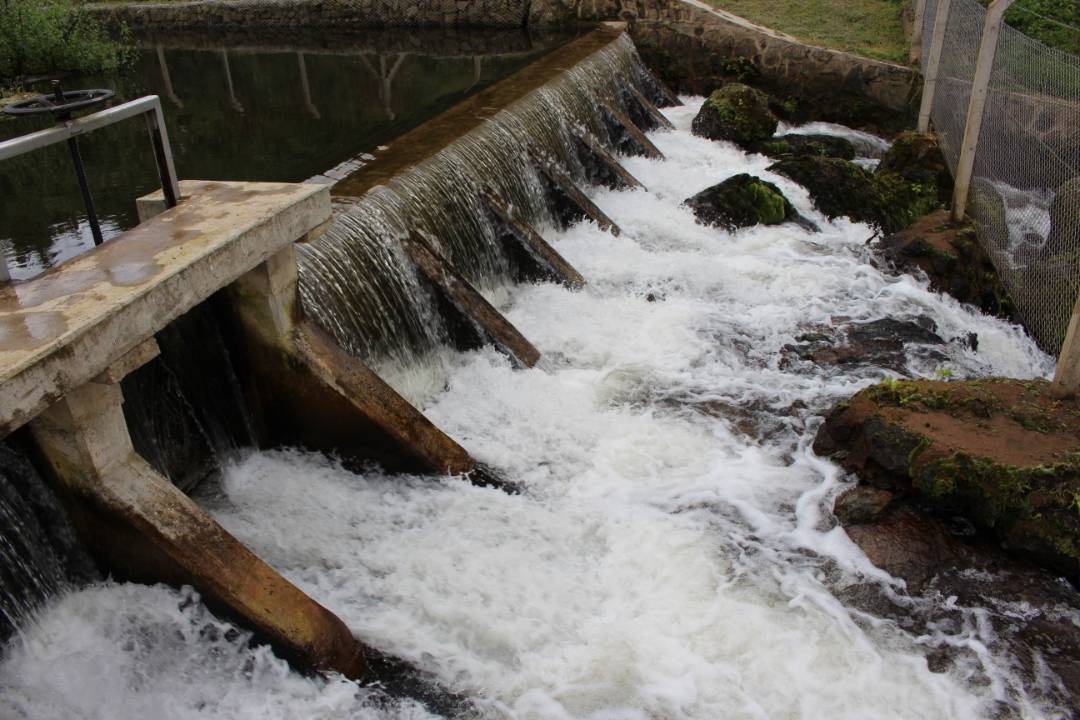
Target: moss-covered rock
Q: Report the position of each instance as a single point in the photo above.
(1002, 453)
(841, 188)
(736, 113)
(803, 145)
(743, 201)
(917, 158)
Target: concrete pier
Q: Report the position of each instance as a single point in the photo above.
(69, 325)
(69, 337)
(469, 302)
(572, 204)
(552, 265)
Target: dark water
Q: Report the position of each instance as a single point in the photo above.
(237, 110)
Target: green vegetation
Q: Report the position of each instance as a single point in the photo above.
(1059, 26)
(872, 27)
(867, 27)
(47, 36)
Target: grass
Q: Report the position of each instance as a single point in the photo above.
(867, 27)
(1052, 22)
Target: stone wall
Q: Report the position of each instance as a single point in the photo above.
(690, 44)
(696, 47)
(246, 14)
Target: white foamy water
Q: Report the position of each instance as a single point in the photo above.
(865, 143)
(132, 651)
(671, 555)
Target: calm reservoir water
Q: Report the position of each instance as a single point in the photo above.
(240, 111)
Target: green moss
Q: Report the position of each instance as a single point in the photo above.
(842, 188)
(770, 204)
(805, 145)
(741, 201)
(737, 113)
(907, 394)
(991, 493)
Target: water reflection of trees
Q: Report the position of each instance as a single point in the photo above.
(254, 114)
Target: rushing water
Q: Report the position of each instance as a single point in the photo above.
(672, 554)
(355, 279)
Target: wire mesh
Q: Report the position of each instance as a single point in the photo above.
(1025, 191)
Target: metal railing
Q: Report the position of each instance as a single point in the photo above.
(70, 130)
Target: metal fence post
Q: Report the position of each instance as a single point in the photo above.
(5, 274)
(933, 64)
(980, 86)
(917, 31)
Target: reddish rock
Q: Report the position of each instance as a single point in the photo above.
(861, 504)
(1002, 453)
(951, 258)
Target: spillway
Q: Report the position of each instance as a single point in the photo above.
(671, 552)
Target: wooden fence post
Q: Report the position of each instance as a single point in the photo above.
(933, 64)
(980, 86)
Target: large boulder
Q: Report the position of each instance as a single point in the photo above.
(841, 188)
(736, 113)
(804, 145)
(743, 201)
(1000, 453)
(917, 158)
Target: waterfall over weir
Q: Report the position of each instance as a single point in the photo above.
(356, 281)
(39, 556)
(671, 552)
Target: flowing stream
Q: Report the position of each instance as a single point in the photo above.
(672, 553)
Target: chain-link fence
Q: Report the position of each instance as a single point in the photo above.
(1025, 190)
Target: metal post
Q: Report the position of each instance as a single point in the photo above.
(159, 136)
(933, 63)
(149, 105)
(84, 190)
(917, 31)
(979, 89)
(5, 274)
(80, 171)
